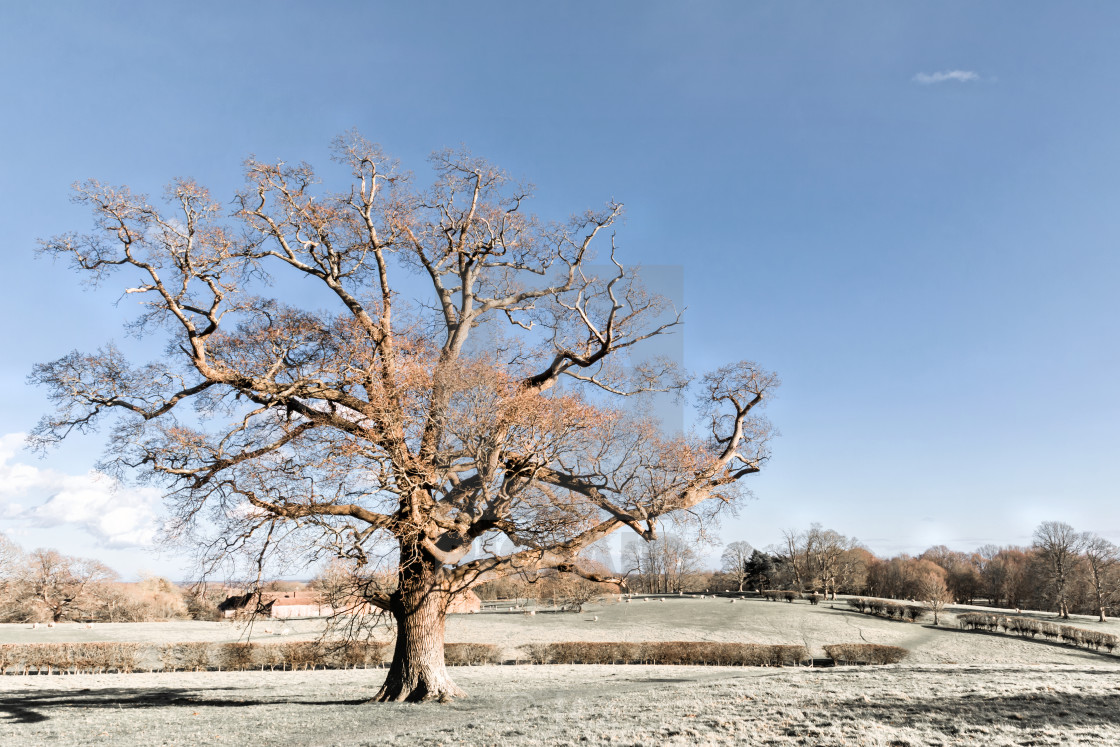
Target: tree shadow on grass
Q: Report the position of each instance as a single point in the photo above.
(1025, 710)
(35, 706)
(1087, 653)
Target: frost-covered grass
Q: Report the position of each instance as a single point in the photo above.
(711, 619)
(956, 688)
(955, 705)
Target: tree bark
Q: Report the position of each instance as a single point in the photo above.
(418, 672)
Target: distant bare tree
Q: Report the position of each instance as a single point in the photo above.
(735, 557)
(11, 561)
(900, 577)
(934, 594)
(64, 586)
(573, 592)
(661, 565)
(11, 557)
(817, 557)
(1103, 559)
(963, 570)
(851, 576)
(1006, 576)
(793, 559)
(1059, 546)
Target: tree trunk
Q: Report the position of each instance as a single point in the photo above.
(418, 672)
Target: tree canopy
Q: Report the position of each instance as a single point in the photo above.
(432, 422)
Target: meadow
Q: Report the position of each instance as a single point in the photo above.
(955, 688)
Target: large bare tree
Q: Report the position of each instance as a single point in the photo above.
(448, 422)
(734, 561)
(61, 587)
(1103, 559)
(1059, 547)
(819, 558)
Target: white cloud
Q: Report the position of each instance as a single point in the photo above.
(116, 514)
(946, 76)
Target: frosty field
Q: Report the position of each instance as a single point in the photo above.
(956, 688)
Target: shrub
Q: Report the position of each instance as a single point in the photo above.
(104, 656)
(888, 609)
(270, 655)
(915, 612)
(668, 652)
(193, 656)
(865, 653)
(301, 654)
(468, 654)
(93, 658)
(99, 657)
(1026, 626)
(354, 654)
(8, 657)
(538, 653)
(236, 656)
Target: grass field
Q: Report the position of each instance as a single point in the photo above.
(957, 688)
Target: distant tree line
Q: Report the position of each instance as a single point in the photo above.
(45, 586)
(1063, 570)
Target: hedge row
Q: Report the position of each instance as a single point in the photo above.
(888, 609)
(774, 595)
(1029, 627)
(865, 653)
(203, 656)
(469, 654)
(666, 652)
(94, 658)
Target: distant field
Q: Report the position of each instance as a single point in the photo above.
(956, 689)
(644, 619)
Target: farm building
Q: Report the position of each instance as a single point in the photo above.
(295, 604)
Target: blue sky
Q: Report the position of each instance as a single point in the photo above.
(908, 210)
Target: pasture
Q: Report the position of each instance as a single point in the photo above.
(955, 688)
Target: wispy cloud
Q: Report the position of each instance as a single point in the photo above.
(116, 514)
(946, 76)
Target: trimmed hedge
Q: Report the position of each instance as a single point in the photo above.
(469, 654)
(774, 595)
(95, 658)
(667, 652)
(193, 656)
(865, 653)
(1028, 627)
(888, 609)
